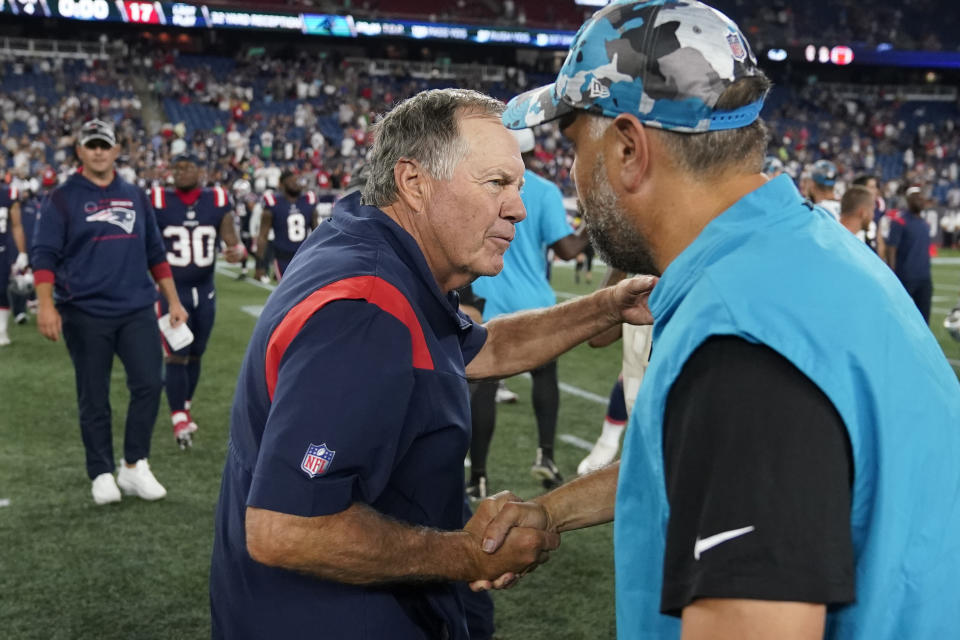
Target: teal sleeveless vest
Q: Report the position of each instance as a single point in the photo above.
(774, 271)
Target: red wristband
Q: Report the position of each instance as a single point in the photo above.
(160, 271)
(43, 276)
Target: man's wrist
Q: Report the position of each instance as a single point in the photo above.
(546, 501)
(463, 552)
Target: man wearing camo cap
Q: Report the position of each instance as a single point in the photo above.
(781, 476)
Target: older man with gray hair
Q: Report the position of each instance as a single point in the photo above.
(341, 510)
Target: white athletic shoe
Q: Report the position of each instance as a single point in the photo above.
(4, 339)
(104, 489)
(504, 395)
(600, 456)
(139, 481)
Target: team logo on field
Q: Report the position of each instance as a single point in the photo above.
(736, 46)
(317, 459)
(117, 212)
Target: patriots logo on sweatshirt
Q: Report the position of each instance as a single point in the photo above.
(117, 212)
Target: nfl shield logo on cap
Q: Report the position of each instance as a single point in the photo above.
(317, 459)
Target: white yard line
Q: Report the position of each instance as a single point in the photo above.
(233, 272)
(252, 309)
(579, 443)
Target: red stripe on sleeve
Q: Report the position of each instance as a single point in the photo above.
(370, 288)
(160, 271)
(43, 276)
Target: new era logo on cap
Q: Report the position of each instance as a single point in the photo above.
(598, 89)
(97, 130)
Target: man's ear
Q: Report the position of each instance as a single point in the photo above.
(412, 183)
(631, 151)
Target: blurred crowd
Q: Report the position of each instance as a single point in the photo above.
(249, 118)
(908, 24)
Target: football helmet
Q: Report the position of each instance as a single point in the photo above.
(21, 284)
(241, 188)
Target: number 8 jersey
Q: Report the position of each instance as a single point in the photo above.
(292, 221)
(190, 224)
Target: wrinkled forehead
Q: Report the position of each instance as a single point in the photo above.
(489, 145)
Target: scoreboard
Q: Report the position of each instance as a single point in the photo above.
(190, 16)
(142, 12)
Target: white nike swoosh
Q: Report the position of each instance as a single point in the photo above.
(711, 541)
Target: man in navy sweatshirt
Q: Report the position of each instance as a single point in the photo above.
(95, 242)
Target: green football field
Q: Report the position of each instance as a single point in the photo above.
(70, 569)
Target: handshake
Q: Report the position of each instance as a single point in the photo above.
(509, 539)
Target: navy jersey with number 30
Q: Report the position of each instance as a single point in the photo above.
(190, 224)
(292, 221)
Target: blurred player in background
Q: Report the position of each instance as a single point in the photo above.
(291, 216)
(192, 220)
(856, 211)
(245, 202)
(907, 240)
(823, 187)
(23, 294)
(874, 237)
(11, 226)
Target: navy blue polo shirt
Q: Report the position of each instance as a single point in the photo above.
(910, 234)
(352, 390)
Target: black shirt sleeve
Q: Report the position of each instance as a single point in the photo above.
(758, 471)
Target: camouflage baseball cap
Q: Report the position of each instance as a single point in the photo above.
(665, 61)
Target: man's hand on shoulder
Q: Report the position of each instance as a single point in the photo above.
(630, 298)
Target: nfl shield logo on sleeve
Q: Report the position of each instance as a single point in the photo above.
(317, 459)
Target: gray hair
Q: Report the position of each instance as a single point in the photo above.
(714, 152)
(424, 128)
